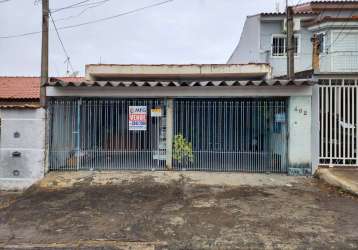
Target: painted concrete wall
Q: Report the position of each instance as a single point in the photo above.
(175, 71)
(315, 128)
(303, 60)
(300, 128)
(248, 51)
(255, 46)
(22, 147)
(248, 48)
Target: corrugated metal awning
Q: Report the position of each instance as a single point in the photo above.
(184, 83)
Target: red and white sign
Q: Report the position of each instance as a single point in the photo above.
(137, 118)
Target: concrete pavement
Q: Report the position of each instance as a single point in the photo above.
(344, 178)
(56, 180)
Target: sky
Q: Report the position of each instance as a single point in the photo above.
(176, 32)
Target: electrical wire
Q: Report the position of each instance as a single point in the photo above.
(68, 60)
(99, 3)
(93, 21)
(78, 5)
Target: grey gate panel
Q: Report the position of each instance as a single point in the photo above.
(94, 134)
(247, 135)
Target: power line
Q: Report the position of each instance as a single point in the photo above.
(97, 4)
(78, 5)
(69, 6)
(93, 21)
(68, 60)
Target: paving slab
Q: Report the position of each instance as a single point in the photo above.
(346, 178)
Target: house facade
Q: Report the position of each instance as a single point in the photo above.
(223, 118)
(263, 38)
(334, 64)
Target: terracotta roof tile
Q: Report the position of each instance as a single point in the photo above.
(23, 87)
(19, 87)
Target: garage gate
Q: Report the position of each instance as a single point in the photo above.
(241, 134)
(338, 104)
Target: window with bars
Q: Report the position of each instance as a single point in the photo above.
(279, 47)
(320, 37)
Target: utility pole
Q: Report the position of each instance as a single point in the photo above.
(44, 52)
(290, 43)
(315, 53)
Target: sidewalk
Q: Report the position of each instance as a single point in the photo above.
(58, 180)
(346, 179)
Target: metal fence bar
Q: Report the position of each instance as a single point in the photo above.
(232, 134)
(94, 134)
(225, 135)
(338, 122)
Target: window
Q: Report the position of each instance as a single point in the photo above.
(320, 38)
(279, 45)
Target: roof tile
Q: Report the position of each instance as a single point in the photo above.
(19, 87)
(24, 88)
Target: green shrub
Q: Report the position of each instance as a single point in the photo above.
(182, 149)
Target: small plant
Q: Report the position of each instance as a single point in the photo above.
(182, 149)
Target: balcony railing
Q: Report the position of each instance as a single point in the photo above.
(342, 61)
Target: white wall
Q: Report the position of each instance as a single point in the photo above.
(315, 128)
(300, 132)
(303, 60)
(248, 48)
(22, 171)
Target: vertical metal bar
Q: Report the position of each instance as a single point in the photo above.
(344, 120)
(349, 121)
(356, 120)
(327, 124)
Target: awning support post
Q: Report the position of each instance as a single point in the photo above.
(169, 133)
(78, 133)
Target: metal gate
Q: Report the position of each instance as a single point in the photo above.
(338, 122)
(94, 134)
(247, 135)
(208, 134)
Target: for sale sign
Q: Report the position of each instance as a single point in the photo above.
(137, 118)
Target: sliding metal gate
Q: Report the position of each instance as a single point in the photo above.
(94, 134)
(247, 135)
(338, 122)
(209, 134)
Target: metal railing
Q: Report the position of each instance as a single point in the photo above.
(94, 134)
(338, 122)
(339, 61)
(247, 135)
(215, 135)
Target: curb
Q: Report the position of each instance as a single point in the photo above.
(334, 180)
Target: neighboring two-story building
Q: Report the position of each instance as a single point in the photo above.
(335, 24)
(263, 38)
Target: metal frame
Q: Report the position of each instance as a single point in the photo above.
(227, 134)
(93, 134)
(338, 105)
(233, 134)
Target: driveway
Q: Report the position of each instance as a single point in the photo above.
(179, 213)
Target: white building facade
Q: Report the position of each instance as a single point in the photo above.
(336, 26)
